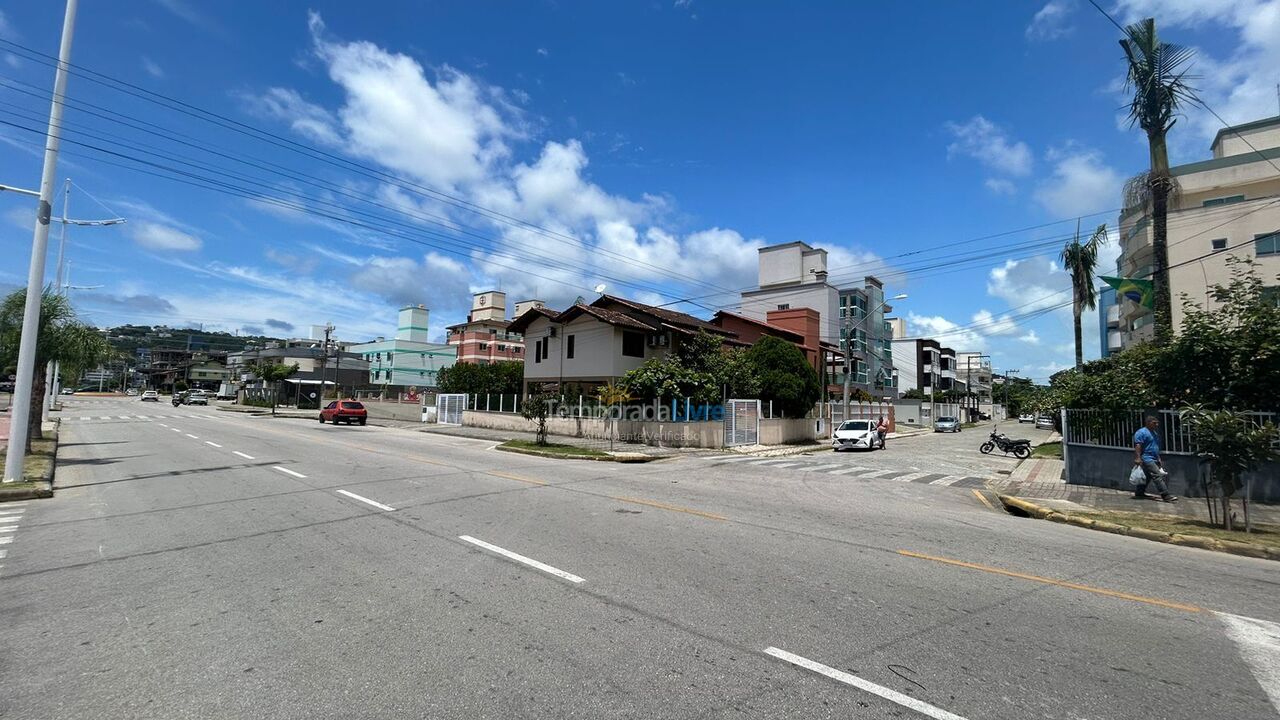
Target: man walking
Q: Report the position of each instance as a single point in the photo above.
(1146, 454)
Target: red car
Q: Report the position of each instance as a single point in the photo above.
(347, 411)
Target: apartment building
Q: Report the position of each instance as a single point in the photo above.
(1108, 322)
(1226, 206)
(794, 275)
(409, 359)
(486, 336)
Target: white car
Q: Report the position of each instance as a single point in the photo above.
(856, 435)
(1044, 422)
(1026, 417)
(150, 395)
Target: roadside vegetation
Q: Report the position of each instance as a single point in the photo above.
(554, 448)
(1263, 534)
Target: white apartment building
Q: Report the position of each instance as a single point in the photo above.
(794, 275)
(1227, 205)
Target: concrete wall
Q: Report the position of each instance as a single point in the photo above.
(1109, 468)
(393, 411)
(787, 431)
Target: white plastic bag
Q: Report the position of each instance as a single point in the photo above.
(1137, 476)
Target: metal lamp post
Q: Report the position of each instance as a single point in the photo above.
(848, 354)
(18, 432)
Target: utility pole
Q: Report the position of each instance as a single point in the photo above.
(21, 417)
(324, 356)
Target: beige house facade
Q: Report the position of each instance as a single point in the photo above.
(1227, 206)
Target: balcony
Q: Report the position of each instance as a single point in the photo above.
(1115, 341)
(1113, 316)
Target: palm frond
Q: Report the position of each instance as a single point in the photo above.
(1158, 76)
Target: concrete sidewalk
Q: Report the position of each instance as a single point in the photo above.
(1041, 481)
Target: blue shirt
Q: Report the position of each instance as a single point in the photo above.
(1150, 444)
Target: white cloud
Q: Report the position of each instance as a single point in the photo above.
(1081, 184)
(1030, 338)
(543, 52)
(155, 236)
(153, 69)
(1000, 186)
(986, 323)
(1240, 86)
(1051, 21)
(441, 283)
(304, 118)
(1034, 284)
(982, 140)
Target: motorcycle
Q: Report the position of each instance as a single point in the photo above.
(179, 399)
(1021, 449)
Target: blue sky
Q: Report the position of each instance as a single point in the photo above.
(653, 145)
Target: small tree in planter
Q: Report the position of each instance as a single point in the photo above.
(537, 408)
(274, 373)
(1233, 446)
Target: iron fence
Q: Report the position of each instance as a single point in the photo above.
(1115, 428)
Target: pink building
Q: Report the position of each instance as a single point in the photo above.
(484, 337)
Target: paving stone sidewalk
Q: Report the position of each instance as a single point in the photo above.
(1041, 480)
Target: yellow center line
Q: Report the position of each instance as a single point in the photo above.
(982, 498)
(673, 508)
(517, 478)
(1059, 583)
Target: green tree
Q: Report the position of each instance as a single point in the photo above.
(274, 373)
(60, 338)
(785, 376)
(1232, 444)
(1157, 75)
(500, 378)
(699, 368)
(537, 408)
(1080, 260)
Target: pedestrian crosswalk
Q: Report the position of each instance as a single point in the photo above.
(797, 465)
(72, 417)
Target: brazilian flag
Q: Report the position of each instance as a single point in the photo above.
(1140, 291)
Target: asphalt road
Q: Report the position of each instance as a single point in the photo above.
(212, 565)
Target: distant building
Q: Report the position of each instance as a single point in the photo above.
(799, 326)
(485, 338)
(1108, 322)
(794, 275)
(408, 360)
(1225, 206)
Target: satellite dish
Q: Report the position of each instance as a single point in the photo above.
(600, 288)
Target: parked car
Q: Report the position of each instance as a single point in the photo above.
(1044, 422)
(946, 423)
(68, 391)
(856, 435)
(197, 398)
(347, 411)
(151, 395)
(1026, 417)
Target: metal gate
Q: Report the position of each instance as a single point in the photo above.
(449, 408)
(741, 422)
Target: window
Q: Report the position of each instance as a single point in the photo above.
(516, 349)
(784, 306)
(1223, 200)
(1219, 244)
(537, 352)
(632, 344)
(546, 348)
(1268, 244)
(484, 346)
(568, 350)
(502, 348)
(492, 331)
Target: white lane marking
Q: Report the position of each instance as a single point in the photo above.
(522, 559)
(911, 476)
(212, 444)
(5, 540)
(3, 553)
(774, 461)
(1259, 644)
(363, 499)
(948, 480)
(892, 696)
(237, 452)
(877, 473)
(163, 424)
(85, 417)
(783, 465)
(730, 459)
(123, 417)
(142, 417)
(193, 437)
(847, 470)
(10, 512)
(105, 417)
(820, 468)
(9, 528)
(175, 429)
(287, 471)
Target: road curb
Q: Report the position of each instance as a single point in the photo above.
(38, 489)
(1018, 506)
(562, 456)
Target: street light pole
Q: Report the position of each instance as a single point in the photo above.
(18, 430)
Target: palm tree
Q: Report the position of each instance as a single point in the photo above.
(1081, 260)
(1158, 77)
(60, 337)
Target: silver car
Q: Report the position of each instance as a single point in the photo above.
(856, 435)
(946, 423)
(1044, 422)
